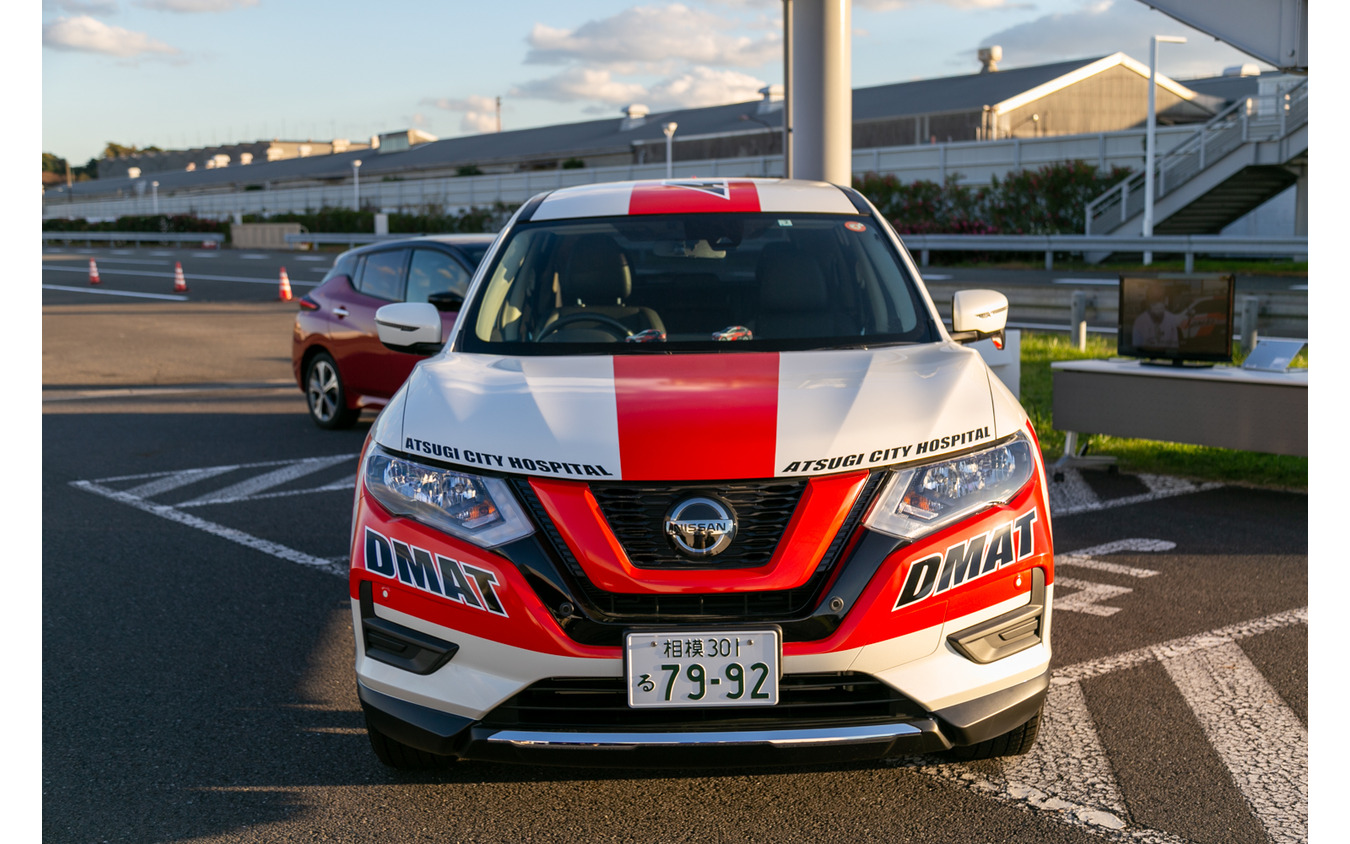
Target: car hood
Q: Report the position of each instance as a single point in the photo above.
(695, 417)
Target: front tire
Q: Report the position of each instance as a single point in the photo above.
(396, 754)
(326, 394)
(1015, 742)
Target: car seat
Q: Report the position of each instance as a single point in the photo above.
(794, 298)
(596, 280)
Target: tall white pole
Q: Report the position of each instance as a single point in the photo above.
(787, 89)
(669, 129)
(1151, 132)
(821, 90)
(356, 184)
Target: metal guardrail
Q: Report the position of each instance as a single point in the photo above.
(1245, 121)
(135, 237)
(352, 240)
(1187, 245)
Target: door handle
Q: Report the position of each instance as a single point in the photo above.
(340, 312)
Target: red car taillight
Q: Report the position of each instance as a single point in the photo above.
(308, 304)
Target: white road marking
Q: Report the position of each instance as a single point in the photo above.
(1084, 558)
(173, 514)
(189, 276)
(244, 490)
(1258, 737)
(101, 291)
(1073, 495)
(1088, 596)
(1068, 752)
(175, 480)
(1047, 782)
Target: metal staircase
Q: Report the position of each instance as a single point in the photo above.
(1245, 155)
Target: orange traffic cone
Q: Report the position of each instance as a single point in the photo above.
(179, 283)
(93, 272)
(285, 286)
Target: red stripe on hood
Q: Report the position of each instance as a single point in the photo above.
(697, 417)
(697, 196)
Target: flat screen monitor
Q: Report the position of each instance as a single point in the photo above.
(1176, 319)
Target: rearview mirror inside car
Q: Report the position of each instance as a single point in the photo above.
(447, 300)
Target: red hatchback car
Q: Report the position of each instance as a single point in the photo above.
(336, 352)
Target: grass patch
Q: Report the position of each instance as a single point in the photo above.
(1200, 463)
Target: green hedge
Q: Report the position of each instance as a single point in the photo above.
(1048, 200)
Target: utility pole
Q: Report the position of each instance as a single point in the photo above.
(499, 114)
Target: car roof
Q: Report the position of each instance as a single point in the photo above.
(413, 240)
(673, 196)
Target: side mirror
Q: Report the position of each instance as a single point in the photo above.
(412, 327)
(447, 300)
(979, 315)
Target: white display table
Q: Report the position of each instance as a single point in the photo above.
(1223, 406)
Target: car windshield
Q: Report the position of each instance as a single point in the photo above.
(694, 282)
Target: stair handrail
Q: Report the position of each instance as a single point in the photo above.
(1234, 120)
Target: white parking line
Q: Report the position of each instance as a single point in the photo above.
(100, 291)
(1064, 778)
(189, 276)
(1259, 739)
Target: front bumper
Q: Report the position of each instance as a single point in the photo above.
(453, 736)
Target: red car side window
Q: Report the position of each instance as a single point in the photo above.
(382, 275)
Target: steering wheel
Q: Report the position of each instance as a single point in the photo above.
(607, 323)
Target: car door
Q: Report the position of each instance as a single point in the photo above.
(368, 368)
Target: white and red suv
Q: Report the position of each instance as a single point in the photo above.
(700, 475)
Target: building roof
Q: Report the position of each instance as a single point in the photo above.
(1001, 90)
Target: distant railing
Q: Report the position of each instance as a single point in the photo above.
(136, 238)
(1186, 245)
(1246, 120)
(352, 240)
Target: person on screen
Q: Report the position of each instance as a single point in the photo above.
(1157, 327)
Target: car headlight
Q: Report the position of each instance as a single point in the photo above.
(921, 499)
(470, 507)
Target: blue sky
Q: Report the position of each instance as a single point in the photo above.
(183, 73)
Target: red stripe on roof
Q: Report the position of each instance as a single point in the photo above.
(697, 196)
(697, 417)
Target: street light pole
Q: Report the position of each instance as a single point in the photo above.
(669, 129)
(356, 184)
(1151, 131)
(154, 197)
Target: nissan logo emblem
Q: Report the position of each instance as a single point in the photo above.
(701, 527)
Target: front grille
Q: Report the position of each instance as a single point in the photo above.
(805, 700)
(625, 506)
(636, 514)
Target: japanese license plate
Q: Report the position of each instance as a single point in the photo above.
(702, 668)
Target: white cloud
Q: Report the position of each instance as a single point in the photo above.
(194, 6)
(652, 35)
(84, 34)
(581, 84)
(479, 113)
(701, 86)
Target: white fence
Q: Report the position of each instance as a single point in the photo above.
(974, 162)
